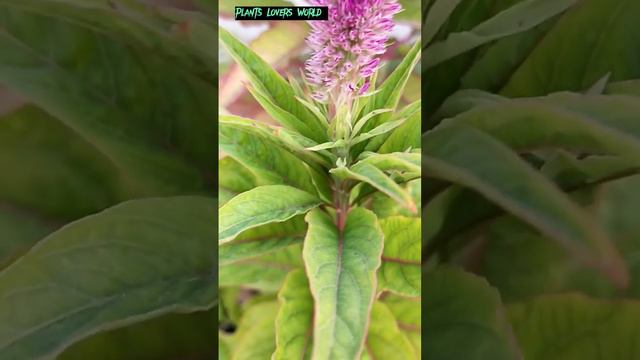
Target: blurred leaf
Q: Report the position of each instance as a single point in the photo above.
(463, 306)
(437, 16)
(521, 17)
(341, 266)
(125, 265)
(601, 43)
(575, 327)
(514, 185)
(157, 131)
(407, 312)
(48, 169)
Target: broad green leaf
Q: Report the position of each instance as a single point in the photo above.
(406, 136)
(602, 44)
(437, 16)
(342, 267)
(384, 339)
(407, 312)
(169, 336)
(255, 338)
(464, 306)
(281, 116)
(160, 152)
(514, 185)
(400, 271)
(294, 323)
(628, 87)
(465, 100)
(289, 37)
(520, 17)
(394, 161)
(573, 326)
(390, 91)
(262, 239)
(268, 81)
(373, 176)
(260, 151)
(265, 272)
(262, 205)
(590, 123)
(132, 262)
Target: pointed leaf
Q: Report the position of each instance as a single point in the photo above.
(132, 262)
(373, 176)
(394, 161)
(262, 205)
(514, 185)
(256, 334)
(437, 16)
(342, 267)
(520, 17)
(268, 81)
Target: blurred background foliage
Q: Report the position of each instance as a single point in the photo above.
(104, 101)
(532, 128)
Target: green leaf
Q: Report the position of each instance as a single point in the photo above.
(463, 306)
(384, 206)
(378, 130)
(389, 93)
(520, 17)
(51, 171)
(363, 120)
(262, 205)
(265, 272)
(294, 322)
(233, 179)
(268, 81)
(400, 271)
(385, 340)
(437, 16)
(256, 332)
(602, 44)
(514, 185)
(373, 176)
(407, 312)
(406, 136)
(342, 267)
(285, 118)
(20, 231)
(161, 152)
(261, 240)
(132, 262)
(260, 151)
(573, 326)
(401, 161)
(588, 123)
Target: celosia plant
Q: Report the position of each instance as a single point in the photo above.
(323, 209)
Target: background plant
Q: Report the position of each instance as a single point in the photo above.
(107, 181)
(530, 167)
(352, 165)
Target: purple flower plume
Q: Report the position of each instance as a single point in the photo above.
(347, 47)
